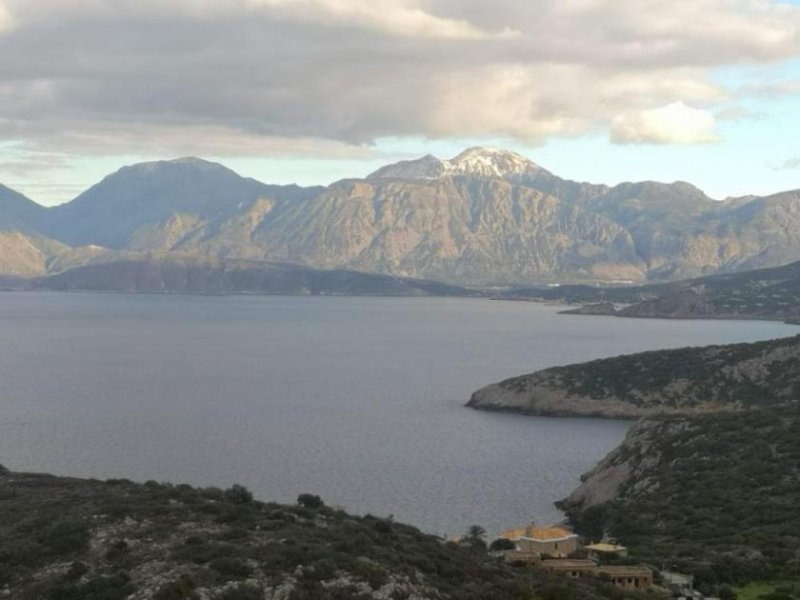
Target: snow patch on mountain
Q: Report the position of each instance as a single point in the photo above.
(475, 162)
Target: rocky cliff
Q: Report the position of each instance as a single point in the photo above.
(712, 495)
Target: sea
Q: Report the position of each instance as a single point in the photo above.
(358, 400)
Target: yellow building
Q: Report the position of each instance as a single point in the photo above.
(574, 568)
(605, 550)
(547, 541)
(628, 578)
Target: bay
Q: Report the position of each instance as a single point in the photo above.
(359, 400)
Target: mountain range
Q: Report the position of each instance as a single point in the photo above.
(486, 217)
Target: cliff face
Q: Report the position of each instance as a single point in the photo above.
(683, 381)
(629, 465)
(713, 495)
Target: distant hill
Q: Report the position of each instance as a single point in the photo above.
(710, 495)
(485, 217)
(17, 212)
(189, 274)
(74, 539)
(772, 293)
(152, 206)
(687, 380)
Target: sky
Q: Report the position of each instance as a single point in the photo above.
(311, 91)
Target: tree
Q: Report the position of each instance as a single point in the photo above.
(238, 494)
(501, 544)
(475, 537)
(310, 501)
(726, 593)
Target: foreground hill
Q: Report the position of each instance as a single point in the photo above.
(134, 272)
(772, 293)
(712, 495)
(72, 539)
(687, 380)
(484, 217)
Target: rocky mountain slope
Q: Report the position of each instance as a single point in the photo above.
(772, 293)
(72, 539)
(711, 495)
(688, 380)
(484, 217)
(174, 273)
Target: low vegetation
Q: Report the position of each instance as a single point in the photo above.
(712, 495)
(70, 539)
(710, 379)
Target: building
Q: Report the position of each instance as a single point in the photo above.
(628, 577)
(574, 568)
(681, 584)
(547, 541)
(604, 550)
(531, 558)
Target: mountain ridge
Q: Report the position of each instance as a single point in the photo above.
(486, 217)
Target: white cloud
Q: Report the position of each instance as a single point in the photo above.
(7, 20)
(258, 76)
(674, 123)
(397, 17)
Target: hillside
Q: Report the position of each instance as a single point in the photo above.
(712, 495)
(687, 380)
(484, 217)
(72, 539)
(17, 212)
(772, 293)
(133, 272)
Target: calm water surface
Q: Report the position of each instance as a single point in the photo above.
(356, 399)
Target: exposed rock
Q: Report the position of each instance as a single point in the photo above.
(710, 495)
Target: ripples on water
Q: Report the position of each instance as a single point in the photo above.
(356, 399)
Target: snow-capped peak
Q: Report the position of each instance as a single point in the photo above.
(478, 162)
(490, 162)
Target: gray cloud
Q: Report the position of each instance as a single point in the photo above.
(296, 77)
(788, 165)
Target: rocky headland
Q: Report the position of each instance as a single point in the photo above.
(709, 379)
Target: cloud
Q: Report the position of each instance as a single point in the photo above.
(788, 165)
(326, 77)
(397, 17)
(7, 21)
(674, 123)
(737, 113)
